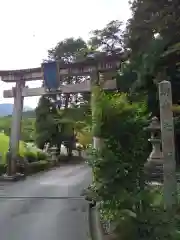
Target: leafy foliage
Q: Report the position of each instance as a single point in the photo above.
(118, 168)
(27, 127)
(157, 47)
(4, 145)
(108, 39)
(46, 126)
(68, 51)
(121, 123)
(30, 156)
(39, 166)
(67, 108)
(152, 18)
(84, 136)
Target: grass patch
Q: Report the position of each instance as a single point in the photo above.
(4, 145)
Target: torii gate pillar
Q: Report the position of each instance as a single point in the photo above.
(16, 127)
(95, 82)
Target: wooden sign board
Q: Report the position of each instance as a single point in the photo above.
(89, 65)
(88, 70)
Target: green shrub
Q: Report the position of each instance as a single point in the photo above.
(120, 162)
(119, 181)
(36, 167)
(2, 169)
(4, 145)
(41, 156)
(30, 156)
(118, 170)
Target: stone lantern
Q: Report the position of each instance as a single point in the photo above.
(53, 151)
(46, 147)
(154, 165)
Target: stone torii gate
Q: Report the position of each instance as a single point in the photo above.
(52, 73)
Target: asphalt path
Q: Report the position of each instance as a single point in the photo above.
(46, 206)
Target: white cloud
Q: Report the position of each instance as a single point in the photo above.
(30, 28)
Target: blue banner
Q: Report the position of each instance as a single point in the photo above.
(51, 76)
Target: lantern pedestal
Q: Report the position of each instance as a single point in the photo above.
(154, 164)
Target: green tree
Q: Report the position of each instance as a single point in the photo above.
(152, 18)
(5, 125)
(68, 51)
(108, 39)
(46, 127)
(154, 52)
(27, 127)
(153, 37)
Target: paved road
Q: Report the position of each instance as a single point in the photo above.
(39, 218)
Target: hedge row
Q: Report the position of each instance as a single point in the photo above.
(39, 166)
(42, 165)
(35, 157)
(33, 167)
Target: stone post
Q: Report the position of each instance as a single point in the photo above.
(16, 125)
(54, 158)
(168, 146)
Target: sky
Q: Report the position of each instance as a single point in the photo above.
(28, 28)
